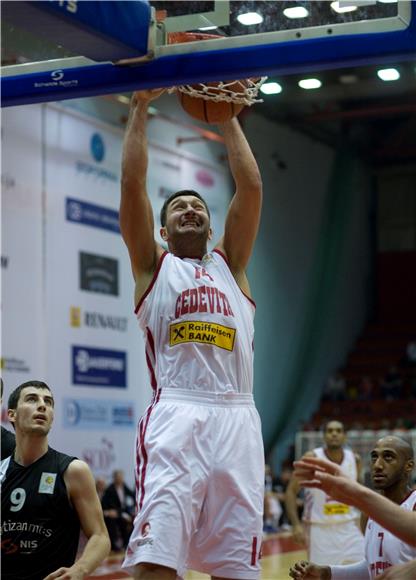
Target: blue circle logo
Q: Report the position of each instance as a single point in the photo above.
(97, 147)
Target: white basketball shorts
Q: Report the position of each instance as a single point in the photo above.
(333, 544)
(200, 485)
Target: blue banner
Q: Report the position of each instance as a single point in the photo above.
(98, 367)
(90, 214)
(98, 414)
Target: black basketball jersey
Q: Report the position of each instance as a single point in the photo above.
(40, 529)
(8, 443)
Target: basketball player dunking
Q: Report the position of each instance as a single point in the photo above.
(330, 528)
(391, 465)
(200, 461)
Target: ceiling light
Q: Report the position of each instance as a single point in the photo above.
(204, 28)
(310, 83)
(388, 74)
(271, 88)
(387, 1)
(340, 9)
(250, 18)
(348, 79)
(296, 12)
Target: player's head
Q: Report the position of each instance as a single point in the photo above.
(31, 408)
(118, 477)
(185, 213)
(180, 193)
(392, 462)
(334, 434)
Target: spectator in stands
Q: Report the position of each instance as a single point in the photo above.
(409, 359)
(118, 505)
(352, 391)
(392, 385)
(272, 507)
(279, 487)
(100, 486)
(365, 391)
(335, 388)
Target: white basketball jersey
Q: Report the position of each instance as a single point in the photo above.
(321, 508)
(382, 549)
(198, 327)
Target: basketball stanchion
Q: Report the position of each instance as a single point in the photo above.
(214, 102)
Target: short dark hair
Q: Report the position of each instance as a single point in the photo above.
(15, 395)
(164, 209)
(326, 423)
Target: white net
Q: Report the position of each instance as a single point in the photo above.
(244, 92)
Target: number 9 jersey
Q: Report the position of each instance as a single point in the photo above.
(39, 529)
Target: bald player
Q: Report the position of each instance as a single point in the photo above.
(330, 529)
(392, 462)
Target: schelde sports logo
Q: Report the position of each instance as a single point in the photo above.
(98, 414)
(99, 367)
(56, 78)
(90, 214)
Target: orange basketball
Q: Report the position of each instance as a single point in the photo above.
(210, 111)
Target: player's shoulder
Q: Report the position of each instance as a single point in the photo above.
(63, 460)
(78, 467)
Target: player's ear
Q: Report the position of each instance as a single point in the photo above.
(409, 466)
(11, 413)
(163, 234)
(210, 234)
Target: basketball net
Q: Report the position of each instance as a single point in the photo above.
(242, 92)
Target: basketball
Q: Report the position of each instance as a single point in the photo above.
(211, 111)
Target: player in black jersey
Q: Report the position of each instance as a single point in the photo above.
(47, 497)
(8, 440)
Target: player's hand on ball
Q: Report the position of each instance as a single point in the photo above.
(308, 571)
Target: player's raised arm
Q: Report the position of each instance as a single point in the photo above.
(136, 215)
(244, 212)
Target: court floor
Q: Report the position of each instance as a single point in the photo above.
(279, 553)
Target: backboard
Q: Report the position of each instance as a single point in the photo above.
(99, 59)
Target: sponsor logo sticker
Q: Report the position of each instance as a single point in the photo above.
(47, 482)
(336, 509)
(202, 332)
